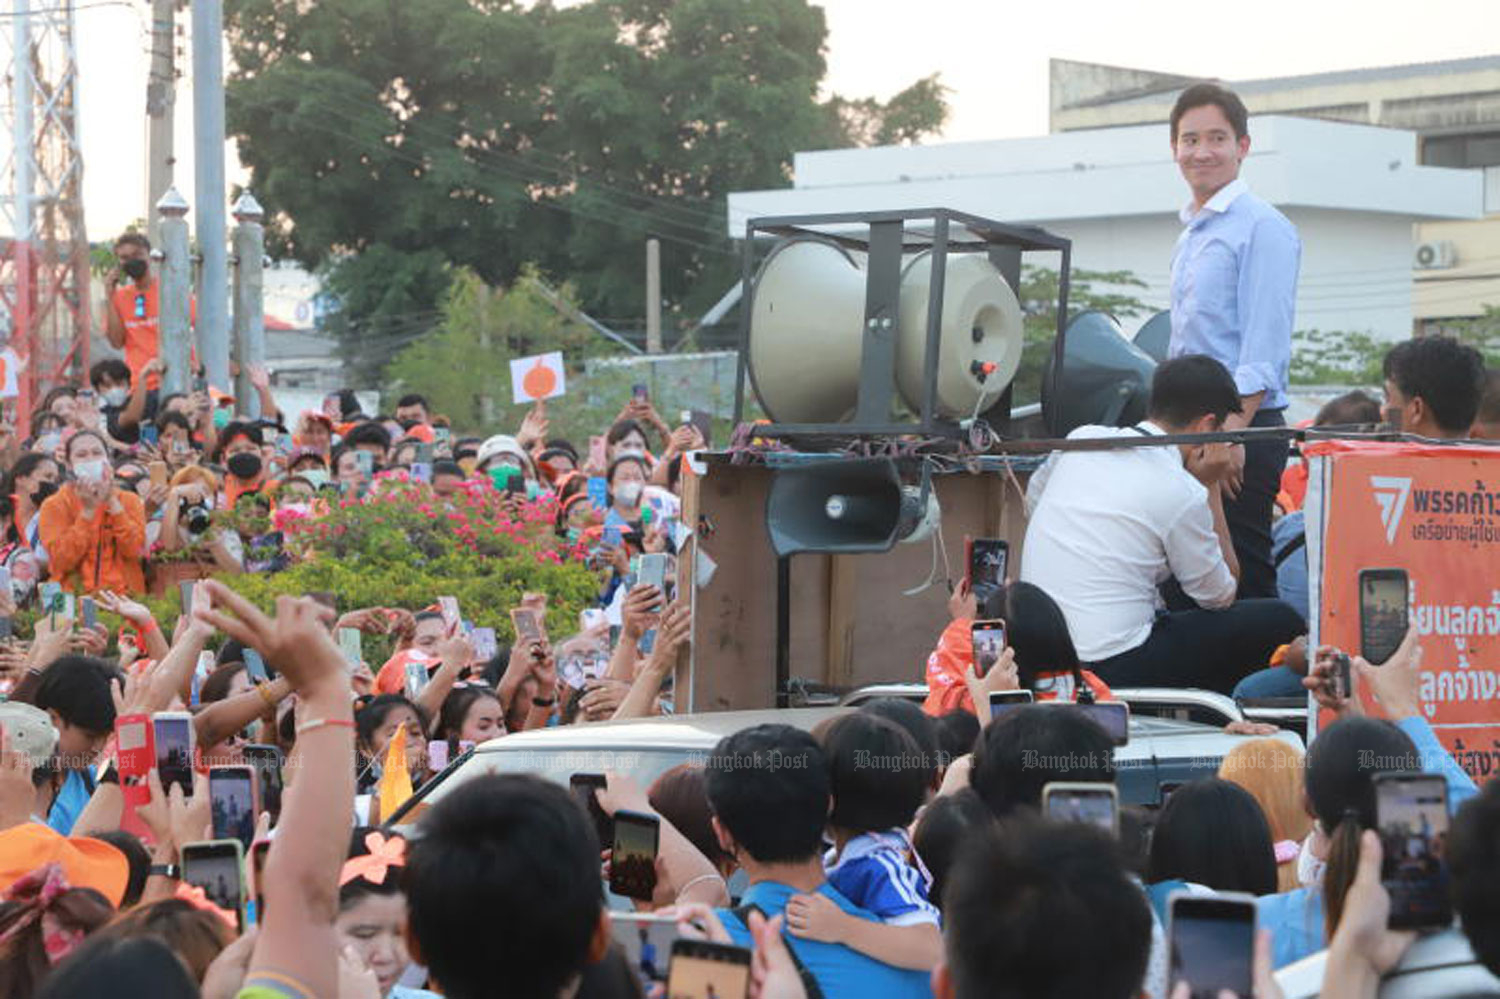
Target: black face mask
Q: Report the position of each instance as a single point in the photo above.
(44, 489)
(244, 465)
(135, 268)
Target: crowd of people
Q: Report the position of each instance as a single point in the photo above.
(894, 850)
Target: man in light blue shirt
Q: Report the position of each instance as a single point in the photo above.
(1234, 289)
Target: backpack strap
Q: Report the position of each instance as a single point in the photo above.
(809, 983)
(1292, 547)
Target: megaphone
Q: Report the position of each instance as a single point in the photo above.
(807, 333)
(846, 506)
(1106, 379)
(1156, 336)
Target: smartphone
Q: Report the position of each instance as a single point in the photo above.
(583, 786)
(255, 666)
(50, 595)
(598, 449)
(449, 608)
(135, 754)
(1096, 803)
(158, 472)
(646, 941)
(639, 392)
(441, 434)
(258, 851)
(90, 612)
(486, 645)
(704, 421)
(5, 582)
(416, 678)
(988, 641)
(1343, 678)
(653, 572)
(598, 492)
(266, 760)
(1382, 613)
(524, 620)
(351, 644)
(632, 863)
(1112, 716)
(1007, 698)
(366, 462)
(1411, 810)
(1211, 944)
(185, 592)
(437, 755)
(703, 970)
(987, 560)
(172, 735)
(231, 793)
(149, 434)
(217, 866)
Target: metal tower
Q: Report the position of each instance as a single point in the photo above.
(44, 264)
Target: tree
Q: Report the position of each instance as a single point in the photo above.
(391, 143)
(1102, 291)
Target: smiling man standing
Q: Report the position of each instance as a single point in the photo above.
(1234, 289)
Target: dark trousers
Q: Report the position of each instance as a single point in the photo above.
(1249, 514)
(1212, 650)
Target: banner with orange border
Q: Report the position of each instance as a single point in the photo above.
(1433, 511)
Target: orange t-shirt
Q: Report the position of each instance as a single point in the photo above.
(142, 331)
(946, 690)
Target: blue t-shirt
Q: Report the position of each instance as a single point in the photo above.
(70, 801)
(873, 872)
(840, 972)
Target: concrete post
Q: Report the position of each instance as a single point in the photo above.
(174, 309)
(653, 296)
(249, 239)
(208, 152)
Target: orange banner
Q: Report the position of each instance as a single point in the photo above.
(1435, 512)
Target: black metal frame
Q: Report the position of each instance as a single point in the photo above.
(887, 237)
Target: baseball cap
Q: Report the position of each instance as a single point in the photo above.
(30, 730)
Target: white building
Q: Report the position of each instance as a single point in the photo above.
(1353, 191)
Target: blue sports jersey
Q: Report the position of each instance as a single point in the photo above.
(874, 873)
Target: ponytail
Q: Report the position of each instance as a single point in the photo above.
(1343, 864)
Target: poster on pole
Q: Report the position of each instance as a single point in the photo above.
(538, 377)
(1435, 512)
(10, 367)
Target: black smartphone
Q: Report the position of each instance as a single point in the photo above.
(988, 641)
(583, 787)
(258, 851)
(640, 393)
(90, 611)
(1211, 945)
(988, 559)
(1411, 810)
(1382, 613)
(266, 760)
(1343, 676)
(173, 734)
(1112, 716)
(704, 970)
(231, 793)
(632, 861)
(218, 868)
(1078, 801)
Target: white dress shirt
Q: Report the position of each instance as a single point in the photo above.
(1107, 527)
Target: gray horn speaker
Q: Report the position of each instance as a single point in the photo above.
(1106, 379)
(1156, 336)
(842, 505)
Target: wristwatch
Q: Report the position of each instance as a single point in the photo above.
(543, 702)
(165, 871)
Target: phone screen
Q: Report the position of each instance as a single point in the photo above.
(174, 751)
(1076, 803)
(525, 622)
(583, 787)
(647, 943)
(987, 565)
(232, 796)
(654, 572)
(267, 763)
(351, 644)
(1112, 716)
(90, 612)
(703, 970)
(1382, 613)
(215, 867)
(1412, 812)
(1212, 946)
(185, 589)
(632, 864)
(988, 638)
(999, 698)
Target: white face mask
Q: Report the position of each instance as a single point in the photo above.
(116, 397)
(91, 471)
(629, 493)
(1309, 868)
(635, 449)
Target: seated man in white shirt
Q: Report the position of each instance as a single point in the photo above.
(1108, 527)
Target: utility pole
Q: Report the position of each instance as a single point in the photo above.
(174, 302)
(653, 296)
(21, 276)
(161, 97)
(249, 301)
(208, 155)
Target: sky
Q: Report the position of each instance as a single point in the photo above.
(992, 54)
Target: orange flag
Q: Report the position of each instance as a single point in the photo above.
(395, 781)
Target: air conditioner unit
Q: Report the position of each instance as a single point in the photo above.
(1435, 256)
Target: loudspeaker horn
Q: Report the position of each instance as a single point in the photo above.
(806, 333)
(842, 506)
(1156, 336)
(1106, 379)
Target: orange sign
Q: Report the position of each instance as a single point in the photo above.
(1434, 512)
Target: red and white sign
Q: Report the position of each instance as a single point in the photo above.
(537, 377)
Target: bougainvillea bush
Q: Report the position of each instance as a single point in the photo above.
(403, 546)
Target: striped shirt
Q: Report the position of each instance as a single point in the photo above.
(874, 873)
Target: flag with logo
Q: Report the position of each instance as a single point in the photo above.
(395, 780)
(1433, 512)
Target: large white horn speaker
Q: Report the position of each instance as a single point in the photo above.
(805, 334)
(981, 326)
